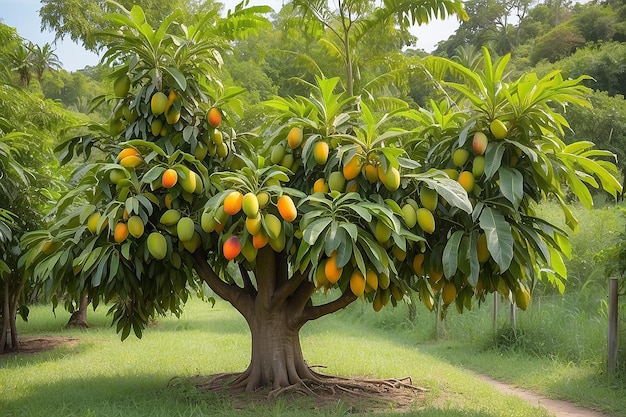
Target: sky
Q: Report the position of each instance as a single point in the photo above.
(24, 16)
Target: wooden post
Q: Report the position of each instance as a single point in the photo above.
(613, 320)
(495, 311)
(514, 317)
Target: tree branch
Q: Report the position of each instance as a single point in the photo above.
(239, 299)
(247, 281)
(302, 295)
(282, 269)
(315, 312)
(288, 287)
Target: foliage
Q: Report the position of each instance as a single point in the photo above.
(602, 124)
(82, 21)
(27, 126)
(604, 63)
(324, 192)
(352, 22)
(560, 42)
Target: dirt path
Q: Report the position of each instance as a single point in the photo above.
(557, 407)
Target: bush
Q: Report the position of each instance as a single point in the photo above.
(560, 42)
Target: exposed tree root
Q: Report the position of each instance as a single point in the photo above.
(362, 393)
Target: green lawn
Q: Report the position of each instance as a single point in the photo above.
(105, 377)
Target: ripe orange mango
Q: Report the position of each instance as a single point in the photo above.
(214, 117)
(330, 269)
(294, 137)
(357, 283)
(352, 168)
(287, 208)
(260, 239)
(371, 173)
(418, 260)
(231, 248)
(233, 203)
(371, 280)
(320, 186)
(467, 181)
(127, 152)
(121, 232)
(320, 152)
(169, 178)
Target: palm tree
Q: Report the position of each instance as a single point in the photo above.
(44, 59)
(349, 21)
(21, 63)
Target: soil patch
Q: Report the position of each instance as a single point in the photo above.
(37, 344)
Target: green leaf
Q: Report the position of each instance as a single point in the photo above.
(352, 230)
(473, 259)
(313, 231)
(362, 212)
(570, 219)
(153, 174)
(452, 192)
(511, 184)
(451, 254)
(493, 158)
(177, 76)
(137, 15)
(499, 237)
(556, 262)
(344, 251)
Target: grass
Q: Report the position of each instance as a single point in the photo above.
(106, 377)
(559, 349)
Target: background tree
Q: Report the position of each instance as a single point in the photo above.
(43, 59)
(349, 22)
(81, 21)
(559, 43)
(28, 126)
(324, 195)
(22, 63)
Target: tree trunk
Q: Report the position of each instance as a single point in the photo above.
(5, 316)
(275, 306)
(276, 360)
(79, 317)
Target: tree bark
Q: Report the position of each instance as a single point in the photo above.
(275, 310)
(14, 302)
(79, 317)
(5, 316)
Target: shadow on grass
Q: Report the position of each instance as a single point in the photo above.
(15, 360)
(150, 395)
(222, 326)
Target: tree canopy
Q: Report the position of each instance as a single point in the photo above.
(329, 193)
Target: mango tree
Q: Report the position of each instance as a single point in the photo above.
(326, 195)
